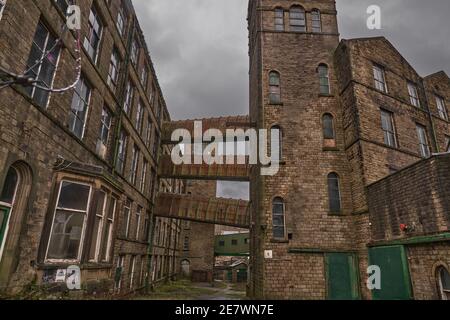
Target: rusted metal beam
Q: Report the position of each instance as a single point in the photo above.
(228, 212)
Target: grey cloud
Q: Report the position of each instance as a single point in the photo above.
(200, 47)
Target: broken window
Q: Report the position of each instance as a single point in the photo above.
(42, 63)
(122, 20)
(379, 77)
(122, 152)
(92, 41)
(69, 221)
(129, 94)
(107, 241)
(442, 109)
(328, 127)
(324, 79)
(98, 226)
(387, 125)
(79, 108)
(444, 283)
(413, 95)
(114, 68)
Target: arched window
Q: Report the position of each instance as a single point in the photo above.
(316, 21)
(334, 193)
(278, 148)
(443, 277)
(274, 88)
(328, 127)
(278, 223)
(324, 79)
(7, 198)
(279, 19)
(297, 19)
(9, 187)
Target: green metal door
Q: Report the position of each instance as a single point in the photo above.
(342, 276)
(395, 278)
(4, 218)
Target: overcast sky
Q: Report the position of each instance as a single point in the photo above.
(200, 48)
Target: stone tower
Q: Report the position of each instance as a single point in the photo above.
(302, 215)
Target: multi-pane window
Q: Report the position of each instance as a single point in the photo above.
(138, 222)
(274, 88)
(148, 135)
(132, 271)
(79, 108)
(297, 19)
(42, 64)
(139, 116)
(387, 125)
(144, 176)
(92, 41)
(278, 220)
(444, 283)
(442, 109)
(134, 55)
(106, 126)
(413, 95)
(334, 193)
(63, 5)
(114, 67)
(134, 165)
(279, 19)
(328, 127)
(122, 21)
(146, 234)
(316, 21)
(186, 244)
(69, 221)
(277, 148)
(324, 79)
(126, 218)
(423, 141)
(379, 77)
(119, 271)
(144, 77)
(129, 94)
(122, 152)
(94, 252)
(107, 240)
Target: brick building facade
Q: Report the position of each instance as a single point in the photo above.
(351, 113)
(78, 169)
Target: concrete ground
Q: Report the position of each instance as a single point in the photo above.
(186, 290)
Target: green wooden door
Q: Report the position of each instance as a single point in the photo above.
(4, 218)
(395, 278)
(342, 276)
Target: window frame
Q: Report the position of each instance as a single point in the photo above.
(114, 69)
(87, 41)
(283, 215)
(122, 20)
(274, 88)
(316, 16)
(279, 20)
(414, 95)
(323, 76)
(334, 177)
(32, 89)
(386, 131)
(122, 150)
(83, 231)
(105, 127)
(441, 107)
(99, 238)
(328, 118)
(424, 146)
(86, 104)
(293, 26)
(380, 70)
(134, 164)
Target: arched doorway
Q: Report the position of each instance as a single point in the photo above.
(443, 278)
(185, 268)
(14, 192)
